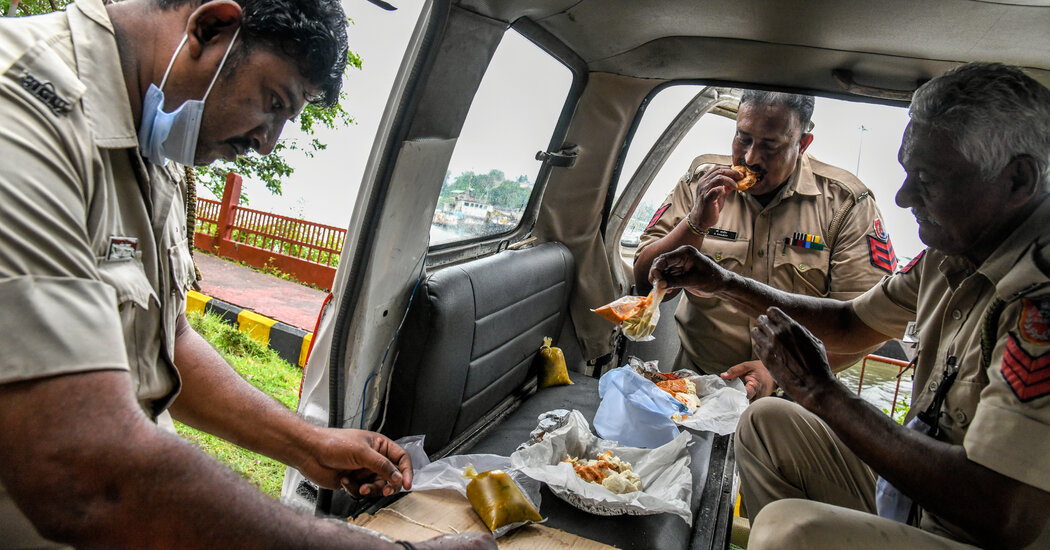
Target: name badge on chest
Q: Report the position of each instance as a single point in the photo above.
(722, 233)
(121, 249)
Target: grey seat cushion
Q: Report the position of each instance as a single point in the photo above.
(471, 337)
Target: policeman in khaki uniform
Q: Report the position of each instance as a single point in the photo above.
(971, 467)
(804, 227)
(102, 105)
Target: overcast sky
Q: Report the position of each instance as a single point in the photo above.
(324, 188)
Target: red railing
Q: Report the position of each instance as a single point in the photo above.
(207, 216)
(307, 251)
(301, 239)
(901, 367)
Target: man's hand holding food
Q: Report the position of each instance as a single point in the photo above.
(361, 462)
(711, 191)
(685, 267)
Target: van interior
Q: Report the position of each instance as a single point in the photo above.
(452, 275)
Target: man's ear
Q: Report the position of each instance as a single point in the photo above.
(210, 22)
(1024, 179)
(804, 142)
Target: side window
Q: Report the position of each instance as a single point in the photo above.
(493, 169)
(711, 134)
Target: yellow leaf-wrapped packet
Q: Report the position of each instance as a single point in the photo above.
(498, 500)
(553, 371)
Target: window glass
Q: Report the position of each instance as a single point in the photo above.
(493, 169)
(711, 134)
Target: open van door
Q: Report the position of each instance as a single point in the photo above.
(479, 229)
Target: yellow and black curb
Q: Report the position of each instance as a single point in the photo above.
(291, 343)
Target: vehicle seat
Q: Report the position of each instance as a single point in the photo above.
(470, 340)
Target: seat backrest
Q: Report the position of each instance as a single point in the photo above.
(470, 339)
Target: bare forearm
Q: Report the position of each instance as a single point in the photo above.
(842, 361)
(126, 484)
(832, 321)
(994, 509)
(217, 400)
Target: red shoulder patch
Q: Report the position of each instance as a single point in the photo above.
(659, 214)
(881, 253)
(913, 261)
(1028, 376)
(1033, 325)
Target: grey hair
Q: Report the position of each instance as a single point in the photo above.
(802, 105)
(993, 111)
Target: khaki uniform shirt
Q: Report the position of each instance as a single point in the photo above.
(94, 264)
(749, 239)
(1000, 415)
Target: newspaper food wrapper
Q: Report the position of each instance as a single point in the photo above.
(667, 481)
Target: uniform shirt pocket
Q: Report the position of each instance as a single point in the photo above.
(731, 255)
(182, 273)
(129, 280)
(805, 268)
(959, 407)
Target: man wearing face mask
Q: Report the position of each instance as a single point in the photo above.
(102, 106)
(802, 226)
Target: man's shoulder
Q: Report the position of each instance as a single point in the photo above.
(27, 36)
(837, 179)
(37, 60)
(701, 165)
(710, 159)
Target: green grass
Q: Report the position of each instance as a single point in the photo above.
(260, 366)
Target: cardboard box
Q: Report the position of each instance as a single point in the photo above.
(423, 515)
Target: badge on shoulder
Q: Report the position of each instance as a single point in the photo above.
(45, 92)
(1034, 325)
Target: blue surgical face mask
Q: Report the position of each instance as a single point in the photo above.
(173, 135)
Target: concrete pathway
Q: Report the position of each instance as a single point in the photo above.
(278, 299)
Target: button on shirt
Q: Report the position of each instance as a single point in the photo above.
(1000, 415)
(94, 257)
(769, 244)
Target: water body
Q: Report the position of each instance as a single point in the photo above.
(880, 381)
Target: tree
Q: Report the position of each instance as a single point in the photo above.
(31, 7)
(272, 169)
(492, 188)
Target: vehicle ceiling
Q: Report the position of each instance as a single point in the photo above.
(797, 44)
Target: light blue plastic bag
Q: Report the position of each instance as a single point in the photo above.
(634, 411)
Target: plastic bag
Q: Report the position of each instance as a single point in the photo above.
(634, 411)
(637, 315)
(498, 500)
(553, 370)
